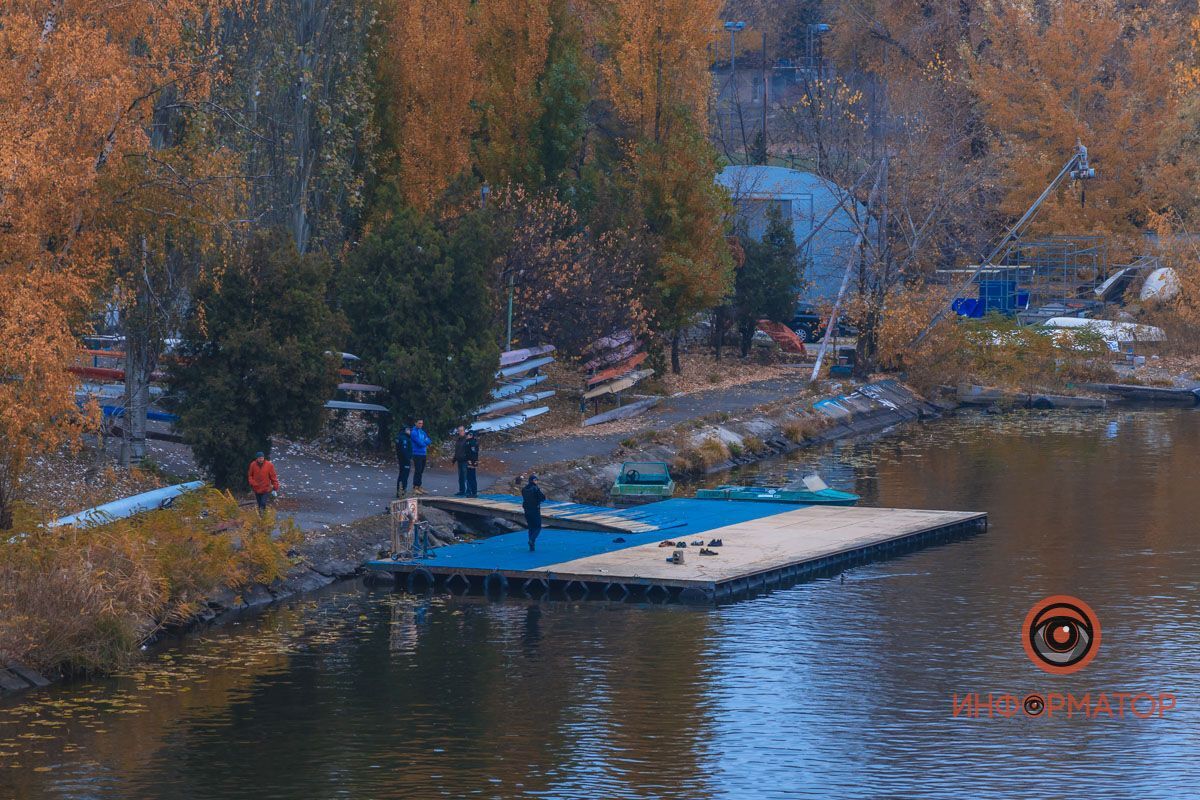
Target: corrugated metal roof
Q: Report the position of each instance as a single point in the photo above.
(760, 182)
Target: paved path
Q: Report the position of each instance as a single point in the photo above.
(319, 492)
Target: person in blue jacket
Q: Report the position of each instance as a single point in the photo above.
(420, 446)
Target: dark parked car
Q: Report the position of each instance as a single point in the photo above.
(809, 324)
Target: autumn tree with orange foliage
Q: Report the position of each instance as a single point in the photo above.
(1097, 71)
(78, 91)
(657, 80)
(513, 40)
(429, 79)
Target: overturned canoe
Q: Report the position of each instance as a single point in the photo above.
(524, 366)
(347, 405)
(510, 357)
(628, 365)
(618, 385)
(516, 387)
(512, 402)
(623, 412)
(127, 507)
(507, 422)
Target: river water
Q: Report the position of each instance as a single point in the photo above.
(837, 687)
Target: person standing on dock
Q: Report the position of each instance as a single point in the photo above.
(472, 464)
(531, 500)
(420, 449)
(460, 460)
(404, 451)
(263, 480)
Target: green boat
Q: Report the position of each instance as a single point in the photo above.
(649, 480)
(811, 491)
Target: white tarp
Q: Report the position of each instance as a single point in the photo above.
(1119, 332)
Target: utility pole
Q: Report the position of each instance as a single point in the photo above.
(765, 96)
(485, 192)
(733, 27)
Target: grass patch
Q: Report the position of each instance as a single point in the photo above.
(701, 458)
(805, 428)
(754, 445)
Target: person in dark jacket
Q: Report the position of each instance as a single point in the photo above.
(403, 459)
(531, 500)
(420, 447)
(460, 460)
(472, 464)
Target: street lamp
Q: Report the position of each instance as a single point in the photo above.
(733, 28)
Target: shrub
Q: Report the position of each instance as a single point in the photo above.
(713, 451)
(85, 600)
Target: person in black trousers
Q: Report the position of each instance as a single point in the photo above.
(460, 460)
(403, 459)
(472, 464)
(531, 500)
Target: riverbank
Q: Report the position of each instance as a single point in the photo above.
(337, 551)
(709, 443)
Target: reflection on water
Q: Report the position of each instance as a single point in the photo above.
(838, 687)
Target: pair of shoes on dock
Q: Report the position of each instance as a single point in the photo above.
(698, 543)
(704, 551)
(716, 543)
(666, 544)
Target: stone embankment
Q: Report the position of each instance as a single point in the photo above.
(720, 441)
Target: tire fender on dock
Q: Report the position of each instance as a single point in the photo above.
(420, 577)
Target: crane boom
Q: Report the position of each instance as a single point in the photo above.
(1076, 168)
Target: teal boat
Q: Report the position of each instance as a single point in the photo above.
(650, 480)
(811, 491)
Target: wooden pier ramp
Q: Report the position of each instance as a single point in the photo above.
(764, 545)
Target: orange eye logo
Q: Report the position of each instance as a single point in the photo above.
(1061, 634)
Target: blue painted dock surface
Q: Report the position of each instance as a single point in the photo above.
(510, 551)
(763, 543)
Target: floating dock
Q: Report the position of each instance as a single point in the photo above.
(764, 545)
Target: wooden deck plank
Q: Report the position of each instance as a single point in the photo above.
(794, 537)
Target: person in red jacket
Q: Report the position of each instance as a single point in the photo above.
(263, 481)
